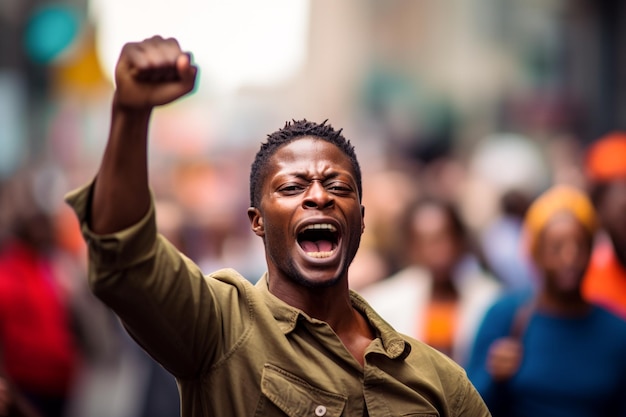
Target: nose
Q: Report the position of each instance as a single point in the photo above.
(317, 197)
(572, 254)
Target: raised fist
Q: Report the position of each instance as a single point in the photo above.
(151, 73)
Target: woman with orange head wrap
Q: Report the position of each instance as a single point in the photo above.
(550, 352)
(560, 200)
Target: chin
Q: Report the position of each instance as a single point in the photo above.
(316, 283)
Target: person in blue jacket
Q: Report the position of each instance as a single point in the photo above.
(549, 353)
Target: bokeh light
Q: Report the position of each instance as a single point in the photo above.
(50, 31)
(236, 43)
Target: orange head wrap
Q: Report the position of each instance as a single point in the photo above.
(558, 199)
(606, 158)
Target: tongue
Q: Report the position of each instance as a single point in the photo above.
(317, 246)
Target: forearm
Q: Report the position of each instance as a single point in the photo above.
(148, 74)
(121, 195)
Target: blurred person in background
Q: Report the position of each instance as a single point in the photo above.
(39, 349)
(441, 294)
(296, 343)
(500, 242)
(506, 171)
(117, 378)
(548, 352)
(45, 296)
(386, 196)
(605, 282)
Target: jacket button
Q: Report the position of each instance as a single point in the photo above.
(320, 410)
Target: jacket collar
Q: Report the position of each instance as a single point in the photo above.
(393, 344)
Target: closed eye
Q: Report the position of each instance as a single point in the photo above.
(291, 189)
(338, 188)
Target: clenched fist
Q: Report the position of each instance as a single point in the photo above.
(151, 73)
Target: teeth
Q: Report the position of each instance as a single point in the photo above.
(321, 226)
(320, 255)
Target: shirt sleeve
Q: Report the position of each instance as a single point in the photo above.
(183, 319)
(473, 405)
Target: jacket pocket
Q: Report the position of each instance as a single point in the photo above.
(295, 397)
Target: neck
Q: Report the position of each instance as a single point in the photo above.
(329, 304)
(333, 306)
(569, 306)
(443, 289)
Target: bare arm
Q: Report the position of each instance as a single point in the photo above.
(148, 74)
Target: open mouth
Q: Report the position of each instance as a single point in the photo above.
(319, 240)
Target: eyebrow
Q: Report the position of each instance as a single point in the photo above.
(305, 177)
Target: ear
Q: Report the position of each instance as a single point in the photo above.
(362, 218)
(256, 221)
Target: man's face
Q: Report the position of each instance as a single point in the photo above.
(310, 216)
(562, 254)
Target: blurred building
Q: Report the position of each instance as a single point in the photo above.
(424, 75)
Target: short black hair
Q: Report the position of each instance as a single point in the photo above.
(297, 129)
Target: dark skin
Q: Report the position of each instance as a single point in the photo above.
(562, 255)
(148, 74)
(309, 182)
(435, 246)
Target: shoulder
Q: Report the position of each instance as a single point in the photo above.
(500, 315)
(443, 373)
(508, 303)
(607, 332)
(609, 321)
(426, 363)
(430, 362)
(424, 353)
(229, 281)
(230, 276)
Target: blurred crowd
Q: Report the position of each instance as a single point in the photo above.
(464, 246)
(446, 238)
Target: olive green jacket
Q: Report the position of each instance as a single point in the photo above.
(237, 350)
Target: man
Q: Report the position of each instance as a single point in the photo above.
(299, 342)
(605, 282)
